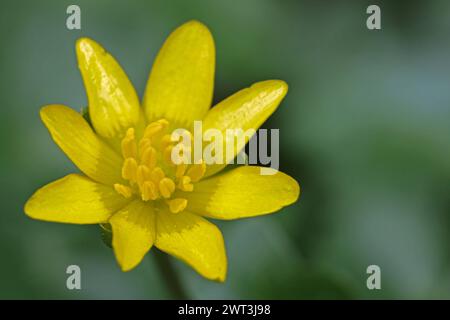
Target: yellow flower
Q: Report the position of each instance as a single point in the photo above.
(127, 180)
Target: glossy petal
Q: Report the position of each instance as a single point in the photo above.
(113, 103)
(242, 192)
(79, 142)
(180, 85)
(246, 109)
(133, 230)
(194, 240)
(74, 199)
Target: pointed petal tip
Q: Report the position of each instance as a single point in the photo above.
(296, 190)
(198, 28)
(43, 110)
(222, 277)
(291, 190)
(218, 279)
(273, 84)
(283, 85)
(46, 110)
(26, 208)
(84, 43)
(126, 268)
(219, 274)
(124, 264)
(194, 24)
(86, 48)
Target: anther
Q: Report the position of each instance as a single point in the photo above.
(185, 184)
(142, 174)
(148, 157)
(155, 128)
(149, 191)
(180, 170)
(129, 169)
(142, 166)
(166, 187)
(177, 205)
(197, 171)
(144, 144)
(167, 155)
(156, 175)
(166, 140)
(123, 190)
(129, 148)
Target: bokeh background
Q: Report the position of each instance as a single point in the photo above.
(365, 129)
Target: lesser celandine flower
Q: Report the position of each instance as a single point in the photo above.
(127, 179)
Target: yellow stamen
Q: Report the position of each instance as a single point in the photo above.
(177, 205)
(155, 128)
(180, 170)
(166, 140)
(156, 175)
(185, 184)
(167, 155)
(144, 163)
(129, 169)
(166, 187)
(149, 157)
(144, 144)
(149, 191)
(125, 191)
(129, 148)
(142, 174)
(197, 171)
(163, 122)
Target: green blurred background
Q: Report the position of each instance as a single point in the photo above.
(364, 129)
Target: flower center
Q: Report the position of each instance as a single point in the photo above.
(150, 171)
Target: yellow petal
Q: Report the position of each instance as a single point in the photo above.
(242, 192)
(133, 230)
(74, 199)
(113, 103)
(246, 109)
(79, 142)
(194, 240)
(180, 85)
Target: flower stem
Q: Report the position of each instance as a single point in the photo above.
(169, 274)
